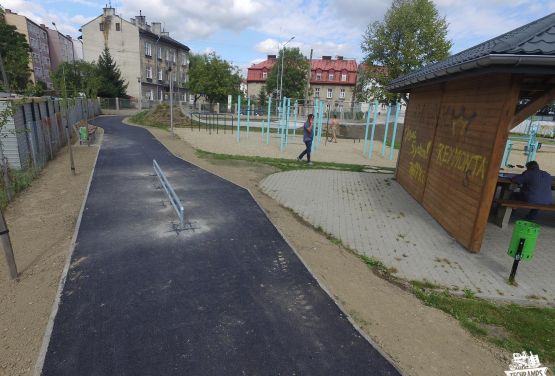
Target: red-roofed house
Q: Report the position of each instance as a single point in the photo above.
(331, 80)
(256, 75)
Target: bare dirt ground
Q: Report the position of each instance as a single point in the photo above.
(420, 340)
(41, 221)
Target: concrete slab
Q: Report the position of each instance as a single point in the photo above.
(374, 215)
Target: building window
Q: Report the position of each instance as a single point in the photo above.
(341, 93)
(340, 108)
(330, 93)
(330, 76)
(343, 76)
(328, 106)
(101, 25)
(148, 49)
(118, 26)
(318, 76)
(150, 95)
(167, 55)
(160, 53)
(191, 98)
(173, 57)
(264, 75)
(160, 74)
(184, 60)
(317, 92)
(149, 72)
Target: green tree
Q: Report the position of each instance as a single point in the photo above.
(112, 85)
(80, 77)
(295, 74)
(213, 77)
(262, 96)
(411, 36)
(14, 52)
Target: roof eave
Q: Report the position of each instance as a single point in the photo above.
(482, 62)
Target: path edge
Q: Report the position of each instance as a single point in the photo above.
(320, 284)
(50, 325)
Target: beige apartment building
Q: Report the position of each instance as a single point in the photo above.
(331, 80)
(61, 48)
(146, 55)
(37, 38)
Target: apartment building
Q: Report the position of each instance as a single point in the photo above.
(37, 38)
(331, 80)
(60, 46)
(334, 81)
(146, 55)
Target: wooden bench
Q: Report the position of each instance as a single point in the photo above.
(503, 215)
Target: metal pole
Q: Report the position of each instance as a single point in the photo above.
(366, 131)
(386, 128)
(398, 108)
(517, 260)
(371, 149)
(269, 114)
(171, 99)
(295, 115)
(7, 245)
(281, 76)
(238, 118)
(287, 121)
(248, 115)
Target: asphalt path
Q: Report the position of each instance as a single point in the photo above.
(225, 296)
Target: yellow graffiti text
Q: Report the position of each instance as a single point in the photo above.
(416, 172)
(454, 158)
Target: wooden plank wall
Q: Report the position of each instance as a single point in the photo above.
(416, 146)
(463, 142)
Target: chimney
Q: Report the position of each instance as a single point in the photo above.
(133, 21)
(141, 20)
(165, 34)
(271, 57)
(326, 57)
(109, 11)
(339, 57)
(157, 28)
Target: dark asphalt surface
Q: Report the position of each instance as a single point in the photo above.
(226, 297)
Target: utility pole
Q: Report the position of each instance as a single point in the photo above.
(171, 96)
(308, 75)
(66, 99)
(281, 75)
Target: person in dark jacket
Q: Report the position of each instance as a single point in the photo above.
(308, 136)
(535, 187)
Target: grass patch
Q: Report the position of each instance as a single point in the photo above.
(509, 326)
(281, 163)
(397, 145)
(20, 180)
(159, 117)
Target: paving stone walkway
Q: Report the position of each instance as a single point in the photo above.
(374, 215)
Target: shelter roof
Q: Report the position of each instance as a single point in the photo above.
(531, 45)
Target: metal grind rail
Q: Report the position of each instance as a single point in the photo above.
(174, 199)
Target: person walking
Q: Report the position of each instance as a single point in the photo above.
(308, 136)
(334, 128)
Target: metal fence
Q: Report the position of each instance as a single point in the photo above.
(37, 130)
(174, 199)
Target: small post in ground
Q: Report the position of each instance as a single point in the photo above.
(238, 118)
(7, 245)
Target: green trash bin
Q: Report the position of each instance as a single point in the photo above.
(528, 231)
(83, 134)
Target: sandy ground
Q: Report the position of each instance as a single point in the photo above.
(421, 340)
(41, 222)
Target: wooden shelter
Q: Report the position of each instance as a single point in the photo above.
(458, 119)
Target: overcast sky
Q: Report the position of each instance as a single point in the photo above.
(245, 31)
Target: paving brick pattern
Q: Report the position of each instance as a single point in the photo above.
(375, 216)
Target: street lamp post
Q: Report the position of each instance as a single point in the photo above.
(171, 97)
(281, 75)
(140, 93)
(68, 135)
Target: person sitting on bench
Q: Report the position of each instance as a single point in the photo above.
(535, 187)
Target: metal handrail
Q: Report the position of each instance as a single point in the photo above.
(174, 199)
